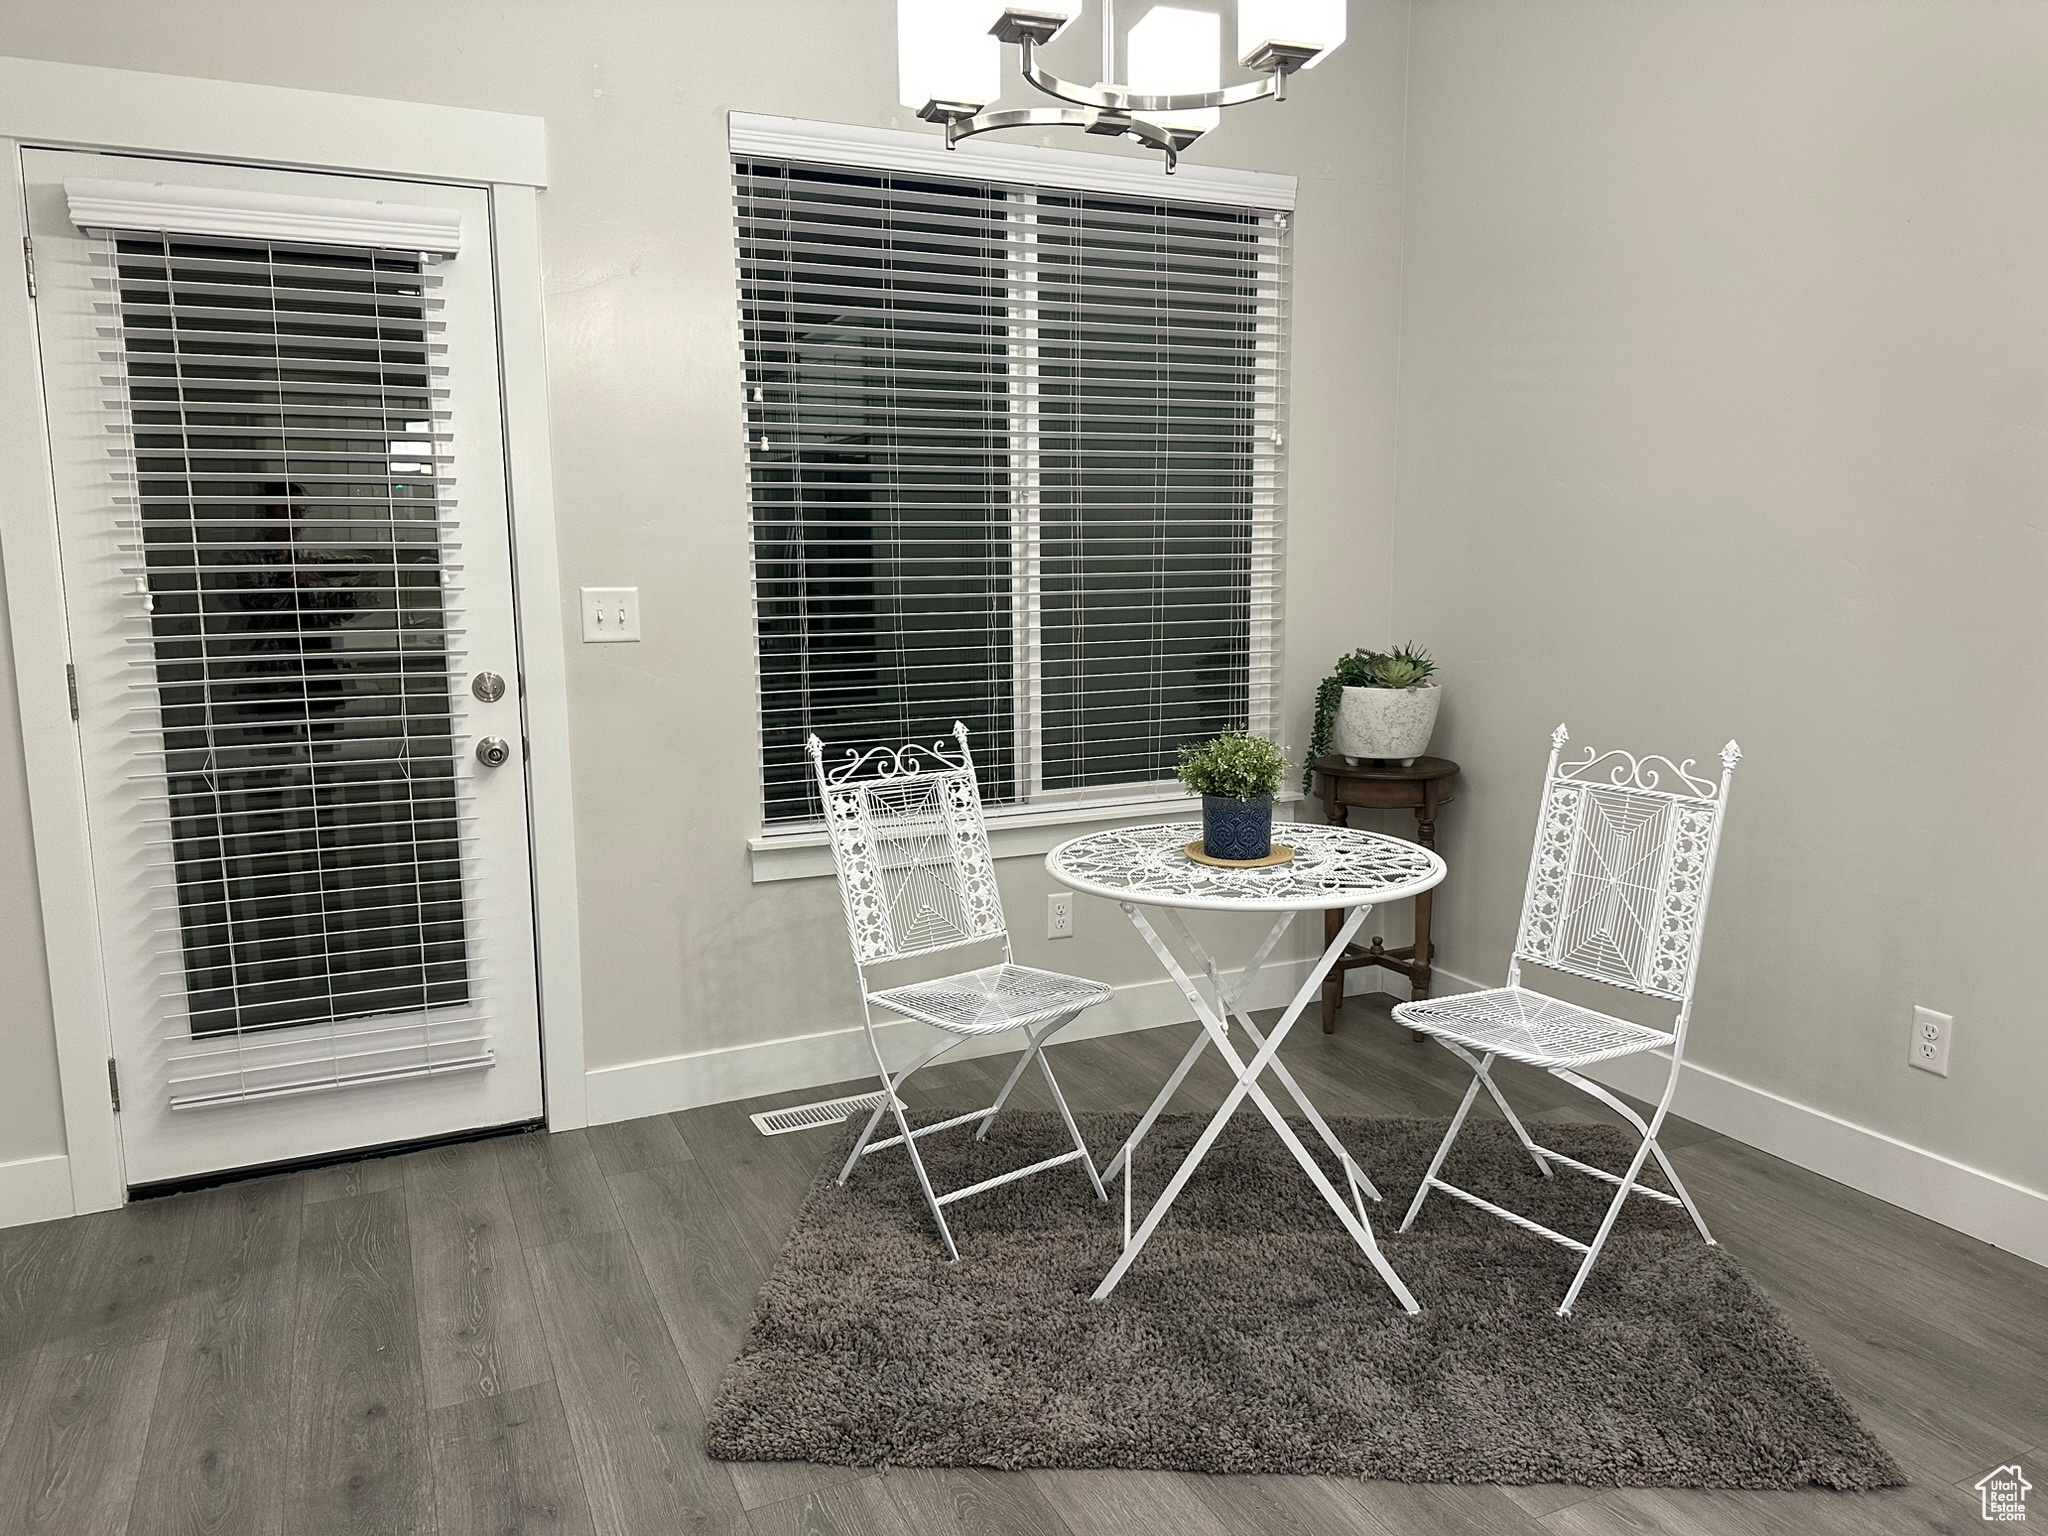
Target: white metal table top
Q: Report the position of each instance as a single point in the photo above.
(1332, 867)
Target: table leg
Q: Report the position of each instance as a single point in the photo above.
(1425, 906)
(1424, 910)
(1333, 988)
(1187, 1062)
(1247, 1087)
(1231, 999)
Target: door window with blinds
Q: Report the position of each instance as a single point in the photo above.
(284, 437)
(1015, 457)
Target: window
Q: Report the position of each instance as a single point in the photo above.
(286, 454)
(1015, 460)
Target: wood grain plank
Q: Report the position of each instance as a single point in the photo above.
(762, 1180)
(479, 1330)
(35, 1268)
(1106, 1503)
(761, 1484)
(505, 1464)
(368, 1176)
(359, 1458)
(556, 1188)
(625, 1146)
(697, 1264)
(69, 1464)
(1542, 1499)
(970, 1501)
(636, 1426)
(1442, 1509)
(1930, 1509)
(219, 1438)
(122, 1276)
(1286, 1506)
(859, 1508)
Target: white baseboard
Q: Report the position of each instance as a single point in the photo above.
(35, 1189)
(694, 1078)
(1968, 1200)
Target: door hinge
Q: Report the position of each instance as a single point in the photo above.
(28, 262)
(71, 686)
(114, 1084)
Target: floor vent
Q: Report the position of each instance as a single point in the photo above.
(809, 1117)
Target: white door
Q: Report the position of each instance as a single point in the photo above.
(278, 448)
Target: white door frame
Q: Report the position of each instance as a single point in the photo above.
(71, 106)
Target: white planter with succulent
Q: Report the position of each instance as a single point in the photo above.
(1377, 706)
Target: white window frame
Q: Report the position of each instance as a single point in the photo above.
(800, 850)
(84, 107)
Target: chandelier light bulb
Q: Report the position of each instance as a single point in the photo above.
(1177, 52)
(945, 52)
(1316, 24)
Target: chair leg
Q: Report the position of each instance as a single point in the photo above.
(1034, 1048)
(1678, 1188)
(1484, 1071)
(1087, 1162)
(893, 1103)
(1648, 1130)
(1621, 1195)
(889, 1087)
(1443, 1150)
(924, 1183)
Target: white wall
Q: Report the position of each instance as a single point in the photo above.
(682, 952)
(1724, 412)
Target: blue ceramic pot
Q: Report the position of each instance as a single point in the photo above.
(1236, 829)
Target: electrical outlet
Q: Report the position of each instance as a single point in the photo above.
(1059, 915)
(1928, 1049)
(610, 614)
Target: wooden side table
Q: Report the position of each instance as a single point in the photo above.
(1424, 787)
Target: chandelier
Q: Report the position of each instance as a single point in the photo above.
(949, 65)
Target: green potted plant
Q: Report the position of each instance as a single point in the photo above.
(1377, 705)
(1237, 777)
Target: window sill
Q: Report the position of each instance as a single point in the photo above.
(1012, 834)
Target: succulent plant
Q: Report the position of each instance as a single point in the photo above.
(1406, 666)
(1234, 764)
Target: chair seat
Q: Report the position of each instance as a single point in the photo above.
(993, 998)
(1529, 1027)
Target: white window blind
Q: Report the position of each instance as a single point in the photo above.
(1015, 455)
(278, 422)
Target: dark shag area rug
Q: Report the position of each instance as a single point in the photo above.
(1252, 1336)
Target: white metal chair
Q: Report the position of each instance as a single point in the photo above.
(917, 877)
(1617, 894)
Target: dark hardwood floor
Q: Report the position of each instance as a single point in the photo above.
(522, 1335)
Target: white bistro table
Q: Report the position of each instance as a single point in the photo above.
(1333, 868)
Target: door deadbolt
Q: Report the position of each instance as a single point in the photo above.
(488, 686)
(494, 751)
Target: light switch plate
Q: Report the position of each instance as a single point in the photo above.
(610, 614)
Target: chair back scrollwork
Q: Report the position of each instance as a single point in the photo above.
(915, 872)
(1623, 861)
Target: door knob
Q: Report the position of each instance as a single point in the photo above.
(494, 751)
